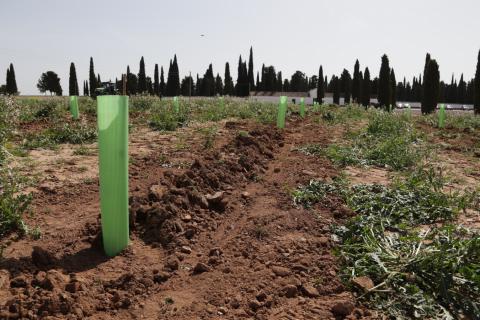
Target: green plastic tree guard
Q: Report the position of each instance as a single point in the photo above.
(302, 107)
(176, 106)
(112, 112)
(74, 107)
(282, 111)
(222, 104)
(409, 111)
(441, 116)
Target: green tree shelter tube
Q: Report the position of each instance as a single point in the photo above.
(74, 107)
(302, 107)
(222, 103)
(112, 112)
(282, 111)
(409, 111)
(176, 106)
(441, 116)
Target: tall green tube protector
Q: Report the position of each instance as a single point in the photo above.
(113, 144)
(176, 107)
(74, 107)
(222, 105)
(441, 116)
(282, 111)
(302, 107)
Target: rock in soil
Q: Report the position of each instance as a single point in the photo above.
(200, 268)
(343, 309)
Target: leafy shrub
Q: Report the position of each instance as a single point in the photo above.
(70, 132)
(389, 140)
(421, 266)
(166, 119)
(13, 203)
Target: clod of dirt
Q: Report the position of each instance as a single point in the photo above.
(4, 279)
(364, 283)
(42, 258)
(342, 309)
(186, 250)
(18, 282)
(280, 271)
(171, 264)
(254, 305)
(215, 252)
(200, 268)
(161, 276)
(216, 201)
(156, 192)
(289, 291)
(309, 291)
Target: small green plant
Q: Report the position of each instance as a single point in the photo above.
(82, 151)
(13, 203)
(209, 135)
(312, 150)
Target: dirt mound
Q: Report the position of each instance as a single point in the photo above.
(183, 204)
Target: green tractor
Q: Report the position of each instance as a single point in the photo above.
(107, 88)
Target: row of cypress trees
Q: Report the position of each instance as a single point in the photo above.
(359, 88)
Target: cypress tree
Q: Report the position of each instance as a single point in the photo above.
(228, 89)
(346, 85)
(7, 83)
(131, 82)
(427, 60)
(251, 79)
(87, 90)
(279, 82)
(99, 81)
(176, 76)
(208, 83)
(168, 89)
(384, 87)
(320, 86)
(431, 86)
(470, 92)
(240, 78)
(476, 87)
(11, 84)
(72, 81)
(262, 82)
(218, 85)
(393, 90)
(336, 89)
(142, 77)
(156, 84)
(173, 79)
(366, 88)
(92, 79)
(356, 84)
(198, 87)
(162, 83)
(257, 85)
(462, 91)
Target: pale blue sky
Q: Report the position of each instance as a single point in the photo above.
(292, 35)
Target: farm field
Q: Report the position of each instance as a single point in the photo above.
(346, 213)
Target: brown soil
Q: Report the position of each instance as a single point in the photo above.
(218, 238)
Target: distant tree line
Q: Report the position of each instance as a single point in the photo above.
(359, 87)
